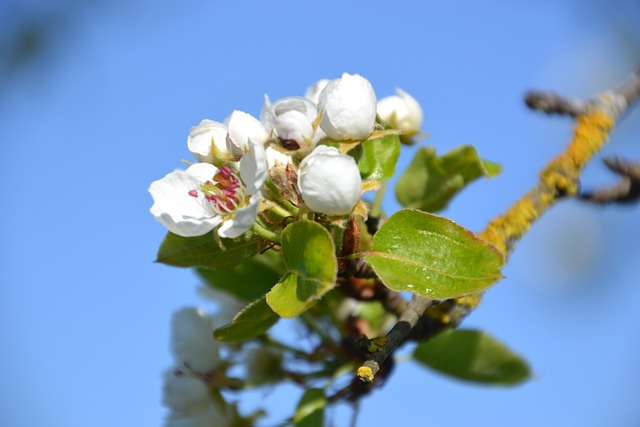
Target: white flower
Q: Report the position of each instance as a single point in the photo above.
(194, 202)
(329, 182)
(348, 107)
(402, 112)
(313, 91)
(242, 128)
(291, 119)
(204, 137)
(191, 340)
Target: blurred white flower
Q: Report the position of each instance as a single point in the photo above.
(202, 137)
(189, 402)
(184, 393)
(313, 91)
(194, 202)
(329, 182)
(242, 128)
(348, 108)
(402, 112)
(207, 417)
(191, 340)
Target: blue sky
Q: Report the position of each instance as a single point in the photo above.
(105, 108)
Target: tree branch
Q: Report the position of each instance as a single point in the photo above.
(595, 119)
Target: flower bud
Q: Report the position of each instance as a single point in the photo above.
(292, 121)
(329, 182)
(348, 107)
(402, 112)
(204, 137)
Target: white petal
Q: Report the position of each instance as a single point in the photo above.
(202, 136)
(274, 155)
(253, 168)
(243, 219)
(243, 127)
(413, 107)
(313, 91)
(294, 125)
(176, 209)
(329, 182)
(191, 340)
(295, 103)
(348, 107)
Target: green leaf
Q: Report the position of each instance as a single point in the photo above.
(472, 356)
(249, 280)
(430, 182)
(253, 321)
(432, 256)
(203, 251)
(309, 256)
(377, 158)
(310, 410)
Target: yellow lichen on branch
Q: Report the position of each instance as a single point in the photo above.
(365, 374)
(559, 178)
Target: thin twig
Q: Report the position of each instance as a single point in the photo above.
(552, 103)
(396, 336)
(627, 190)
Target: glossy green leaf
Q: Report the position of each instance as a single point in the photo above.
(248, 281)
(253, 321)
(432, 256)
(204, 251)
(310, 410)
(472, 356)
(310, 260)
(377, 158)
(430, 182)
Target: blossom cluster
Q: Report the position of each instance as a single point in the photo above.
(245, 165)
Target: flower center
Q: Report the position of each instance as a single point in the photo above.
(224, 194)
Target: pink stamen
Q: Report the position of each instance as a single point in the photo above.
(226, 171)
(193, 193)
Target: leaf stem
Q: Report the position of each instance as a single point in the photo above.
(376, 206)
(279, 210)
(264, 233)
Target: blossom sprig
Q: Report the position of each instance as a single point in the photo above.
(223, 191)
